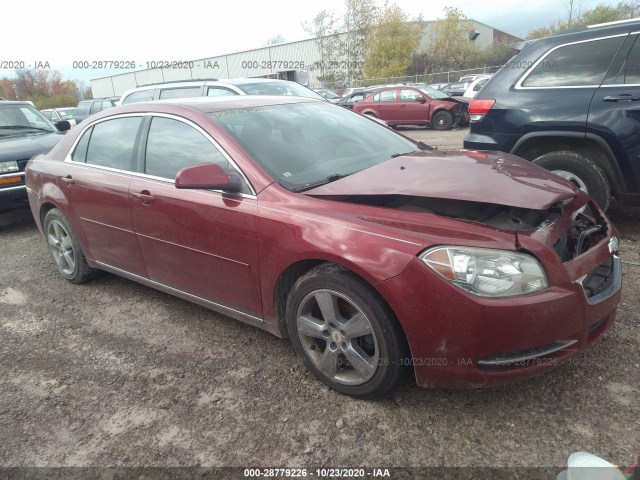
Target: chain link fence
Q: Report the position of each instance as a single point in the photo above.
(440, 77)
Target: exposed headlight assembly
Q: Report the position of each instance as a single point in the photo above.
(486, 272)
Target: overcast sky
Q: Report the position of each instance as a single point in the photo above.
(60, 32)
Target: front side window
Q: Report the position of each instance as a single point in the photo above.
(180, 92)
(580, 64)
(173, 145)
(112, 143)
(626, 69)
(409, 95)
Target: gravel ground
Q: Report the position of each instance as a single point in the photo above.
(111, 373)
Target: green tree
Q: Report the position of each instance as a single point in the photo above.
(601, 13)
(450, 47)
(324, 27)
(342, 42)
(391, 44)
(359, 22)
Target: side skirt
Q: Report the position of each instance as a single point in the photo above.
(228, 311)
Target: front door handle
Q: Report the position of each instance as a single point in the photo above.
(144, 196)
(625, 97)
(68, 180)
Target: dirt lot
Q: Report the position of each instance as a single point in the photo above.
(113, 373)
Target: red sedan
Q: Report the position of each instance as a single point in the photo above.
(374, 254)
(406, 105)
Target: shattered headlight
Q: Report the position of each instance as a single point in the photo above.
(486, 272)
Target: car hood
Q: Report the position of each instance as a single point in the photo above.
(26, 146)
(492, 177)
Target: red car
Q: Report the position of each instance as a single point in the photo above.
(405, 105)
(375, 254)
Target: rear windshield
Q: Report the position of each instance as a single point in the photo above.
(279, 88)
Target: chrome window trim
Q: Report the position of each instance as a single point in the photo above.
(526, 74)
(68, 158)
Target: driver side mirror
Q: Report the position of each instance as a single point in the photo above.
(421, 100)
(63, 125)
(208, 176)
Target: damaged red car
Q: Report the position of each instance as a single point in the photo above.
(374, 254)
(406, 105)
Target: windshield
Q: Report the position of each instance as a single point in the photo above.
(433, 93)
(307, 144)
(17, 119)
(279, 88)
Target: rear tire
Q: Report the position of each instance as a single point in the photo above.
(345, 333)
(583, 172)
(442, 120)
(64, 248)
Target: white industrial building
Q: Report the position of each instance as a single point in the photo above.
(284, 60)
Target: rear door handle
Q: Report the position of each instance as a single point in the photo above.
(625, 97)
(144, 196)
(68, 180)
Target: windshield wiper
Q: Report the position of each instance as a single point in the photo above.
(329, 179)
(394, 155)
(24, 127)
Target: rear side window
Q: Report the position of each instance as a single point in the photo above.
(80, 152)
(112, 143)
(173, 145)
(180, 92)
(580, 64)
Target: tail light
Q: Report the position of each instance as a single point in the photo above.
(479, 107)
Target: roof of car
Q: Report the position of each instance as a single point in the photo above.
(14, 102)
(210, 105)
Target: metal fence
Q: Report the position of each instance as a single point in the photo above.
(440, 77)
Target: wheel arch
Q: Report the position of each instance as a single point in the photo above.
(535, 144)
(290, 275)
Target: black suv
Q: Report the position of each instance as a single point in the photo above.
(570, 103)
(24, 132)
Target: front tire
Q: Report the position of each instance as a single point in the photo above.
(442, 120)
(64, 248)
(345, 333)
(581, 171)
